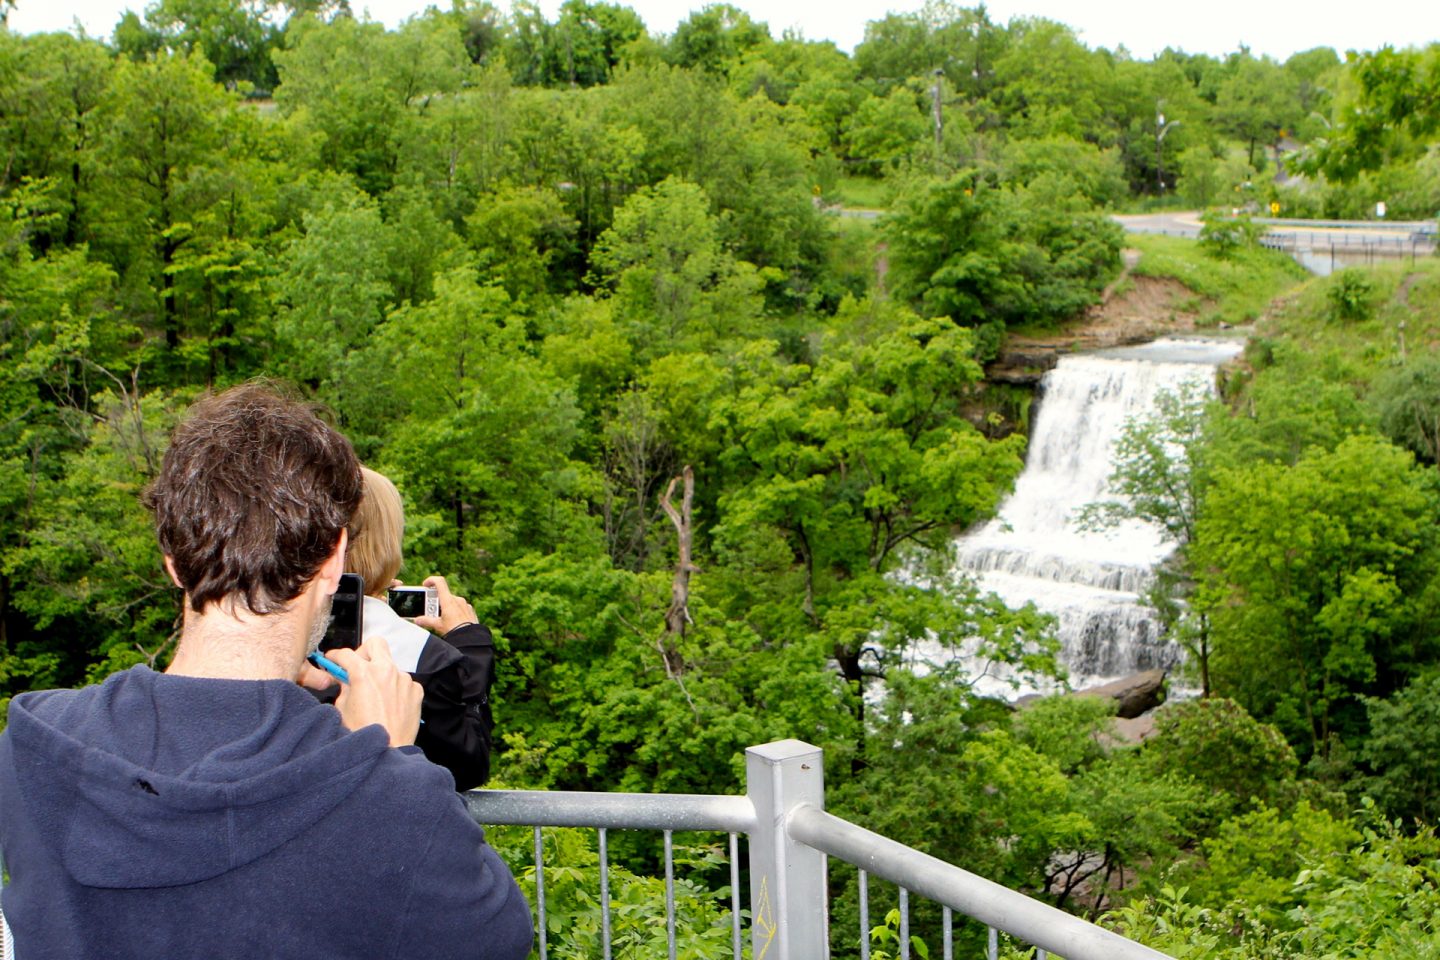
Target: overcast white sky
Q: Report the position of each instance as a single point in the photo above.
(1275, 27)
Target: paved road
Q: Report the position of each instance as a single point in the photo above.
(1180, 224)
(1187, 224)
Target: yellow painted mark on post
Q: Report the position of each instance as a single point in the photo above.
(765, 920)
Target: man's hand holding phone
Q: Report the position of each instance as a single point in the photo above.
(378, 691)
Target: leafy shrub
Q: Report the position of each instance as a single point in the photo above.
(1403, 750)
(1226, 750)
(1223, 236)
(1350, 295)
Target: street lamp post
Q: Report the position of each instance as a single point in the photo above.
(1161, 128)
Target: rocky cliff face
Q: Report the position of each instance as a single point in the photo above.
(1135, 309)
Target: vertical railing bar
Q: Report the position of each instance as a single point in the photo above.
(904, 924)
(992, 945)
(605, 893)
(540, 892)
(670, 892)
(864, 916)
(825, 906)
(946, 919)
(735, 896)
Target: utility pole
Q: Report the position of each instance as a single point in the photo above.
(1161, 128)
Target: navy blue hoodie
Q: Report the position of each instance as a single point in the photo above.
(157, 816)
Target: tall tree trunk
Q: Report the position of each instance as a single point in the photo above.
(677, 617)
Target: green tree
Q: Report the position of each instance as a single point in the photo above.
(331, 288)
(976, 253)
(1317, 579)
(53, 87)
(1392, 113)
(1159, 477)
(86, 570)
(1407, 401)
(1048, 84)
(1257, 100)
(165, 120)
(1253, 859)
(1402, 750)
(1095, 174)
(523, 237)
(473, 428)
(882, 131)
(235, 36)
(1240, 762)
(714, 37)
(852, 464)
(961, 41)
(363, 90)
(674, 284)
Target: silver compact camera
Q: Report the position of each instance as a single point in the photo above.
(412, 602)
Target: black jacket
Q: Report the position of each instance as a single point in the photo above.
(456, 672)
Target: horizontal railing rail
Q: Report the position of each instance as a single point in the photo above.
(618, 811)
(789, 837)
(996, 906)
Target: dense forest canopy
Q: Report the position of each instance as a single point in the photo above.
(537, 268)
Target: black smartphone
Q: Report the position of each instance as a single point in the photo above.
(346, 614)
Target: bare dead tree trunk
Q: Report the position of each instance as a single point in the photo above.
(677, 617)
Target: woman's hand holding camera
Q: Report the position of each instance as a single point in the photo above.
(455, 611)
(378, 692)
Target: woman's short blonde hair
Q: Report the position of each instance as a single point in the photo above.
(376, 534)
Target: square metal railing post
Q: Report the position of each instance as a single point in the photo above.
(788, 906)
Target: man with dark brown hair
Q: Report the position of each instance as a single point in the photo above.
(217, 809)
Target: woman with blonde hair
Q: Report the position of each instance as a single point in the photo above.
(456, 667)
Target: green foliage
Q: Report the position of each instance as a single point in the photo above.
(1095, 174)
(1240, 288)
(1316, 579)
(1225, 236)
(536, 266)
(1374, 900)
(1406, 401)
(235, 37)
(886, 938)
(675, 287)
(974, 252)
(1350, 294)
(1402, 750)
(1393, 110)
(637, 898)
(332, 288)
(1254, 858)
(1069, 730)
(1239, 761)
(1159, 477)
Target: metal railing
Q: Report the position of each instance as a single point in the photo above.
(789, 838)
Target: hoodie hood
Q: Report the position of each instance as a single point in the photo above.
(152, 780)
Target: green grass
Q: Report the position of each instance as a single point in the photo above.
(1310, 337)
(1241, 288)
(863, 192)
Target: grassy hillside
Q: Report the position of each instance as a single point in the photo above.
(1239, 288)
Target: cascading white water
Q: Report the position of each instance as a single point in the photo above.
(1034, 550)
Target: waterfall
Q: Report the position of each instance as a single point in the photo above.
(1034, 550)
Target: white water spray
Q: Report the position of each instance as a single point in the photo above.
(1035, 552)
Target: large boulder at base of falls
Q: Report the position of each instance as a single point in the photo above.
(1134, 694)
